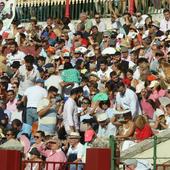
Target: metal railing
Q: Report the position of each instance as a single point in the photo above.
(114, 156)
(42, 165)
(57, 10)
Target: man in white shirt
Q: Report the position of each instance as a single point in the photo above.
(127, 99)
(104, 73)
(15, 54)
(106, 128)
(53, 79)
(27, 74)
(100, 25)
(70, 112)
(165, 23)
(33, 95)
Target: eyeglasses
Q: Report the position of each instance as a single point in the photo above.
(36, 137)
(85, 103)
(105, 37)
(138, 16)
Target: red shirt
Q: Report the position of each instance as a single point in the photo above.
(144, 133)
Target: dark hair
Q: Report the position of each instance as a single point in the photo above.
(14, 43)
(103, 61)
(78, 63)
(13, 132)
(120, 84)
(42, 133)
(130, 71)
(76, 90)
(94, 26)
(166, 10)
(142, 60)
(113, 73)
(41, 58)
(53, 89)
(16, 122)
(1, 22)
(4, 85)
(11, 91)
(67, 66)
(66, 20)
(29, 59)
(86, 98)
(106, 102)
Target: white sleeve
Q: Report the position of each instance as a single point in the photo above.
(69, 112)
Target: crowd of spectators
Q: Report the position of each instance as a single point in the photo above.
(65, 86)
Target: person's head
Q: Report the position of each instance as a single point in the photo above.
(168, 109)
(103, 65)
(29, 61)
(39, 136)
(83, 17)
(166, 13)
(106, 36)
(143, 64)
(97, 18)
(121, 88)
(103, 119)
(86, 102)
(139, 16)
(76, 92)
(13, 47)
(17, 124)
(15, 66)
(130, 164)
(140, 121)
(1, 25)
(104, 105)
(10, 95)
(129, 74)
(114, 77)
(3, 104)
(41, 61)
(79, 64)
(116, 58)
(52, 92)
(127, 116)
(34, 153)
(94, 29)
(11, 134)
(49, 21)
(74, 139)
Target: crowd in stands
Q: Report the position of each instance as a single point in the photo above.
(65, 86)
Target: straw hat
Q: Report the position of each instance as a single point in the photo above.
(74, 135)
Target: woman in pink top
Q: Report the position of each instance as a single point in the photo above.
(157, 91)
(54, 154)
(146, 106)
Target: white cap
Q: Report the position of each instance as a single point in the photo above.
(90, 54)
(109, 51)
(102, 117)
(154, 83)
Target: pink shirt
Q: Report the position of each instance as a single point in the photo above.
(11, 106)
(156, 94)
(147, 108)
(53, 156)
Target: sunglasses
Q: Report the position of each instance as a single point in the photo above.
(85, 103)
(97, 17)
(138, 16)
(36, 137)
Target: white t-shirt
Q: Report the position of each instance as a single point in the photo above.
(18, 56)
(54, 80)
(77, 150)
(34, 95)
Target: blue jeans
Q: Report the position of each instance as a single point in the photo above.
(73, 167)
(31, 115)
